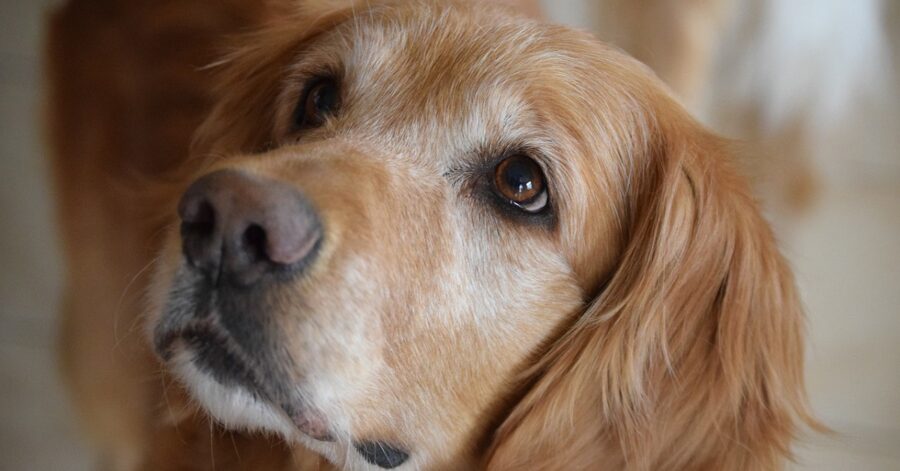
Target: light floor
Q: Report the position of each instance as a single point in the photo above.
(846, 253)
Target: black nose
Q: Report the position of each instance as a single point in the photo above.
(238, 227)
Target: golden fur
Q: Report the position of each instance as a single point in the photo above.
(654, 325)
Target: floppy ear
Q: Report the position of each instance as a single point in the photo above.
(691, 356)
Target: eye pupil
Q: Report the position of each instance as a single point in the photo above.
(320, 101)
(520, 178)
(325, 98)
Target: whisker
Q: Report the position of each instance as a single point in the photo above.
(212, 450)
(118, 309)
(234, 445)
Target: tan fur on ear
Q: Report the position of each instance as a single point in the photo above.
(692, 355)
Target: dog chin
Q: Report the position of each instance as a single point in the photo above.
(234, 407)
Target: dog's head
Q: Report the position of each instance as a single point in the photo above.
(441, 235)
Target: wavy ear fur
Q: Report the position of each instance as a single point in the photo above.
(691, 357)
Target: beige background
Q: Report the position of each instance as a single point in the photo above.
(846, 252)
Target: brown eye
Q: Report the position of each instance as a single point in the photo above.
(321, 100)
(520, 180)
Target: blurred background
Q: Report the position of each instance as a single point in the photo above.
(809, 84)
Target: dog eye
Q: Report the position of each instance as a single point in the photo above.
(520, 181)
(320, 101)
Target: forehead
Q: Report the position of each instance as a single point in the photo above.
(476, 76)
(441, 47)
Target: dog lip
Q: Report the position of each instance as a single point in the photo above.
(382, 454)
(210, 345)
(192, 323)
(213, 352)
(309, 422)
(164, 341)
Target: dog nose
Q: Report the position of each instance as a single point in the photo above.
(239, 227)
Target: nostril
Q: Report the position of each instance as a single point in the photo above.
(254, 241)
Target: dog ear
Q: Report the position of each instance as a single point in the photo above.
(691, 355)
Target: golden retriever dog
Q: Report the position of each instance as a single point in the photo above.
(407, 235)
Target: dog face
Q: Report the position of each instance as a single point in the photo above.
(401, 209)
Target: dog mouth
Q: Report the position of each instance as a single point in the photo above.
(192, 334)
(196, 338)
(213, 352)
